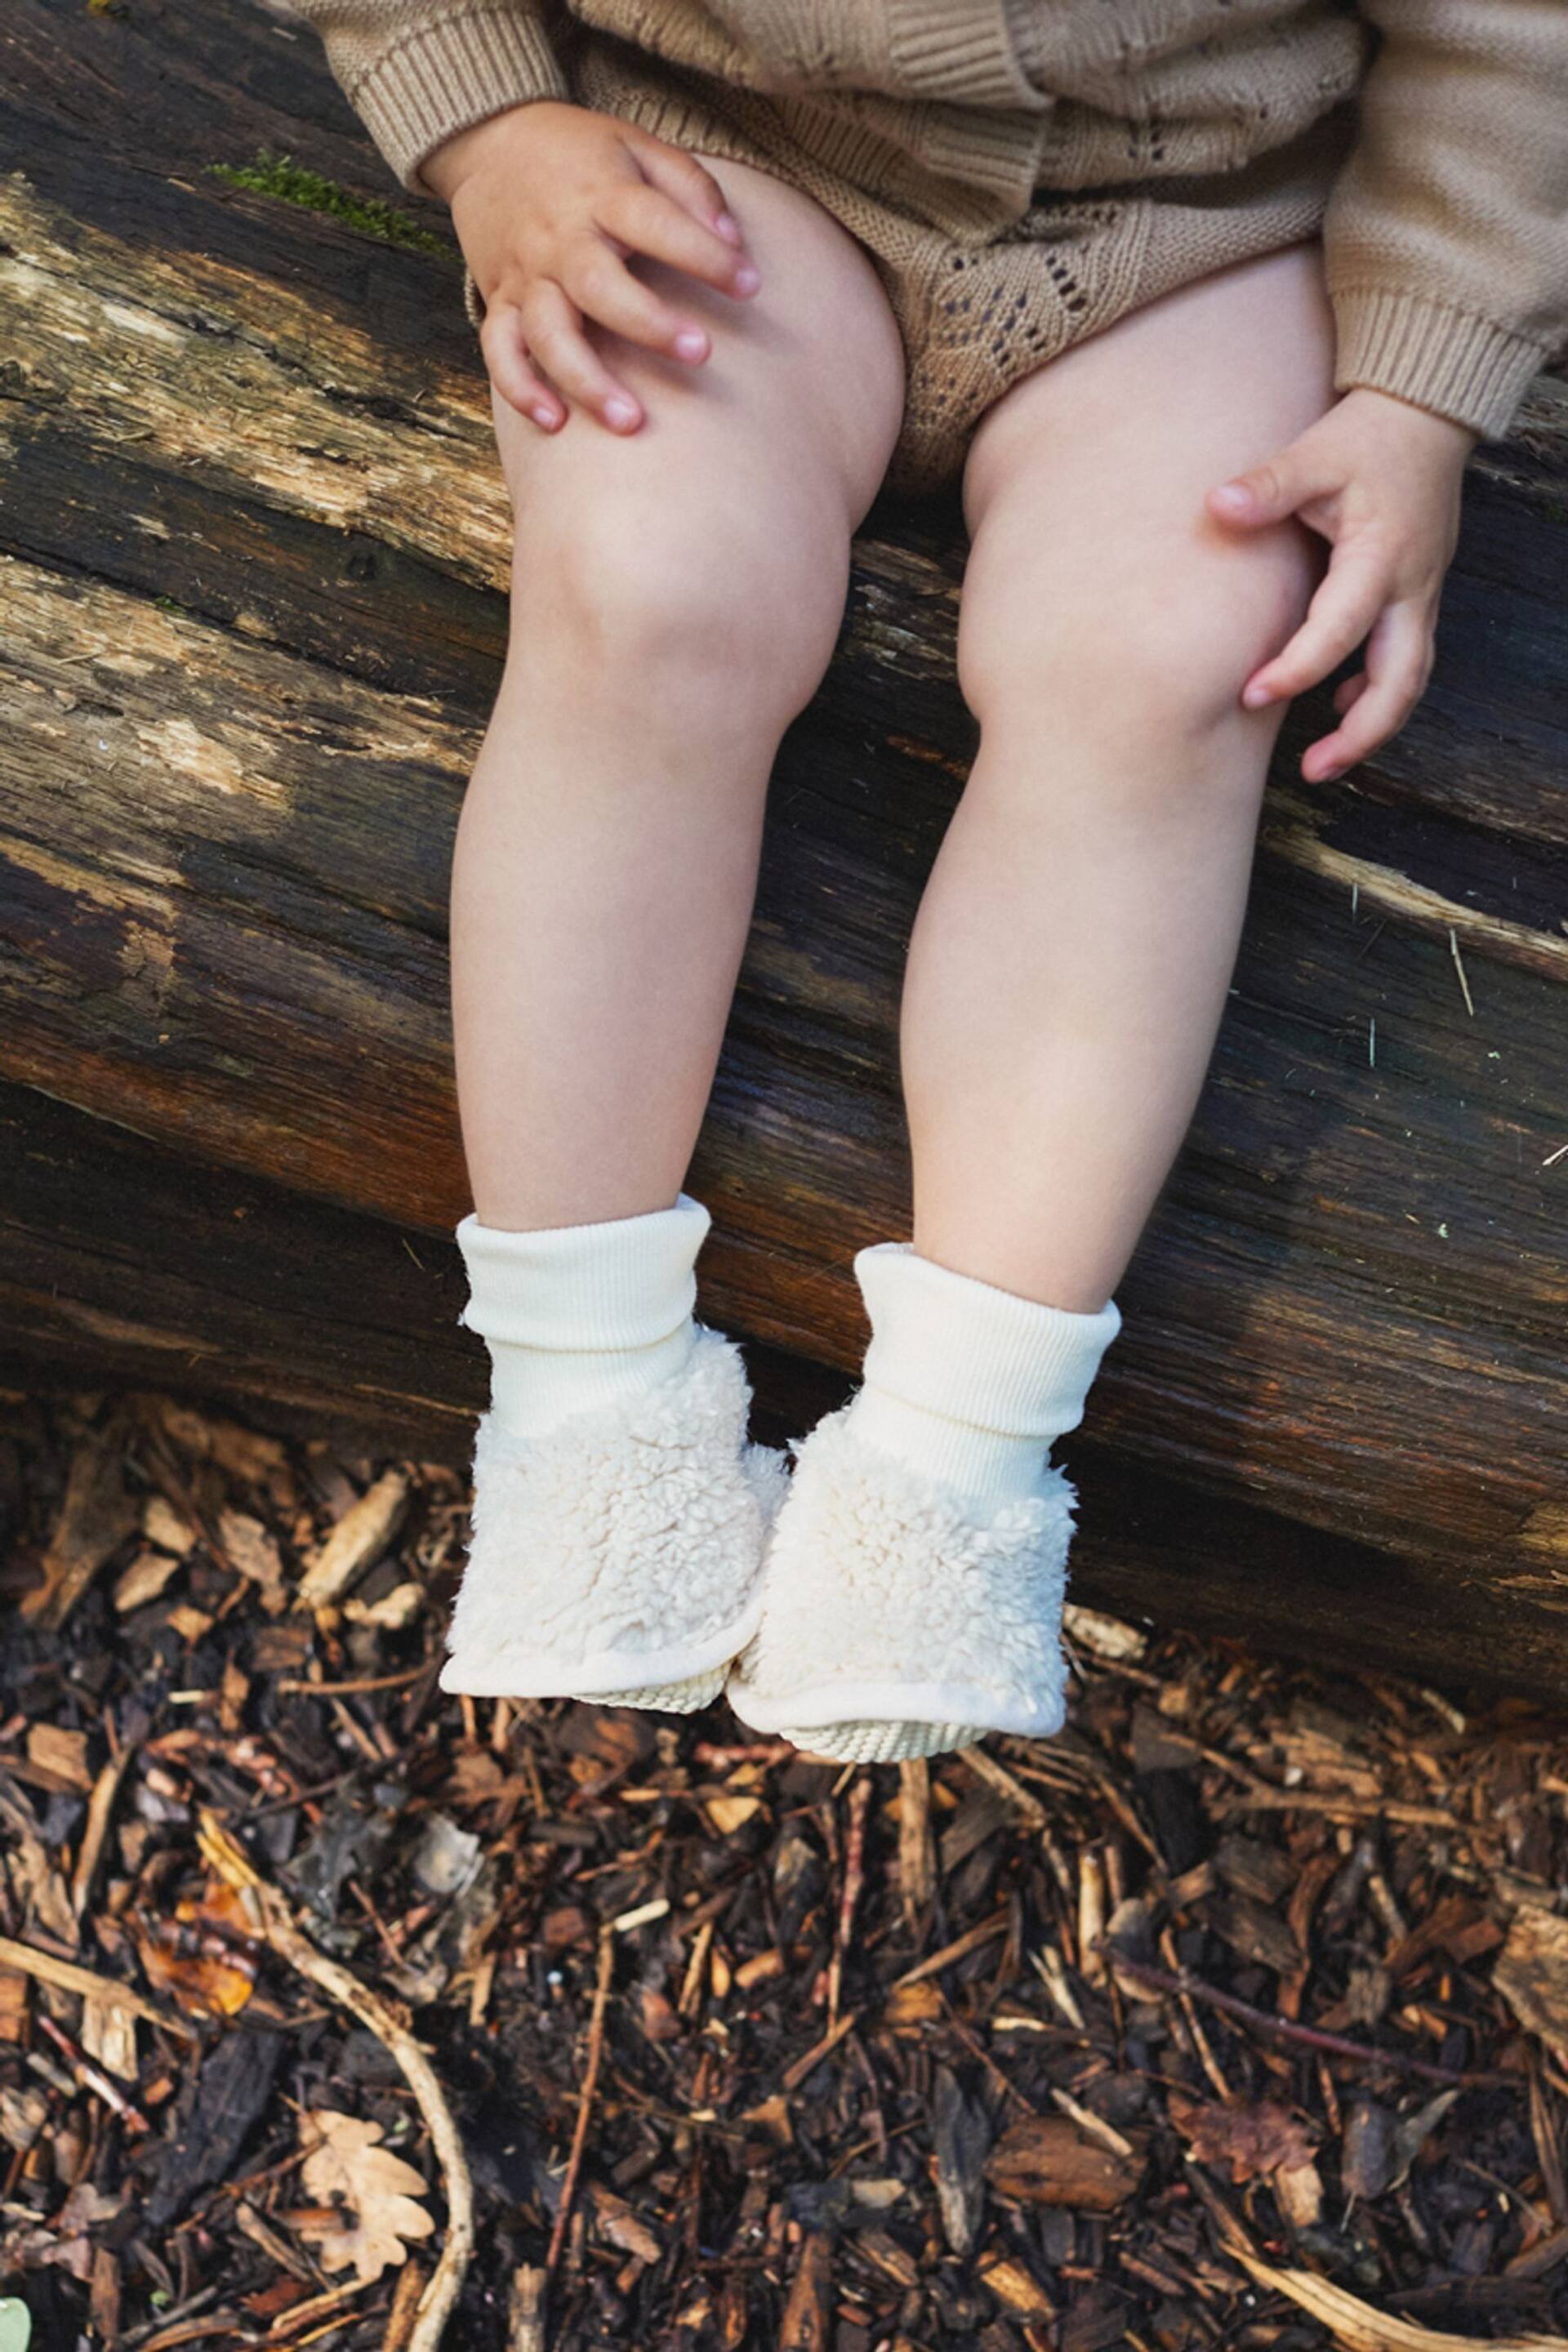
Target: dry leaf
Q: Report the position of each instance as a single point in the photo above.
(61, 1754)
(1110, 1638)
(728, 1814)
(204, 1956)
(360, 1536)
(249, 1547)
(148, 1575)
(96, 1513)
(393, 1613)
(1532, 1974)
(1017, 2288)
(109, 2038)
(162, 1525)
(346, 2166)
(1299, 2193)
(1254, 2141)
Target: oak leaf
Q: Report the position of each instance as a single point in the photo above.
(374, 2189)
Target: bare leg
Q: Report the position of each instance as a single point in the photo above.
(676, 597)
(1070, 962)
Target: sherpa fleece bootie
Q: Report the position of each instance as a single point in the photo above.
(619, 1513)
(915, 1577)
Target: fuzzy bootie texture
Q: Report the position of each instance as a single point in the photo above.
(619, 1512)
(916, 1574)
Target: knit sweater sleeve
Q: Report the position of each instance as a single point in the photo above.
(1446, 236)
(417, 72)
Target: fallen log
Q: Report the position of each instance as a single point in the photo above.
(252, 559)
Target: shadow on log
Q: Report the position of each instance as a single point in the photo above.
(253, 557)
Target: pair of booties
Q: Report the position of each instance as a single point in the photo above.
(846, 1597)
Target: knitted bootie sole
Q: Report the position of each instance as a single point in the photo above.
(617, 1559)
(900, 1619)
(867, 1742)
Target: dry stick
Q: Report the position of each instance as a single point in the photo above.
(854, 1881)
(71, 1977)
(1310, 2037)
(290, 1941)
(525, 2319)
(585, 2102)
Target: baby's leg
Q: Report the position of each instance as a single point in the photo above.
(1070, 958)
(1066, 974)
(675, 596)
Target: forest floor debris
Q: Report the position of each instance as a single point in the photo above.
(1237, 2016)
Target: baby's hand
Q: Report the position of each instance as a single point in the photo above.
(1379, 479)
(548, 200)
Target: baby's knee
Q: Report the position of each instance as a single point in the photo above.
(1159, 655)
(680, 596)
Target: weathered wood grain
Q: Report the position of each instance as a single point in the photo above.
(253, 555)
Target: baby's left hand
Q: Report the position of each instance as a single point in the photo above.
(1379, 479)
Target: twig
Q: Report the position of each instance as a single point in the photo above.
(298, 1688)
(277, 1925)
(795, 2076)
(584, 2103)
(525, 2329)
(1308, 2037)
(30, 1962)
(854, 1881)
(916, 1848)
(960, 1948)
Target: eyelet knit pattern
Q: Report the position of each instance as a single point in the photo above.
(617, 1558)
(893, 1601)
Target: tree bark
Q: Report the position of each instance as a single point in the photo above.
(254, 549)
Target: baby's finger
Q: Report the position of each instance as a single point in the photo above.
(1347, 600)
(602, 287)
(648, 221)
(505, 350)
(1350, 690)
(688, 181)
(1398, 664)
(555, 337)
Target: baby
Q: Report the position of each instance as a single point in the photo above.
(1202, 304)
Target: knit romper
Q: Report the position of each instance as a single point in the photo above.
(1022, 173)
(1043, 262)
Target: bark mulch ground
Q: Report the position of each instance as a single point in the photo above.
(1236, 2016)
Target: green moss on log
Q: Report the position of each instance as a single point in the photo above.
(293, 183)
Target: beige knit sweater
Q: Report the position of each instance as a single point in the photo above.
(1445, 233)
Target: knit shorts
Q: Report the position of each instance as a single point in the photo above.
(978, 312)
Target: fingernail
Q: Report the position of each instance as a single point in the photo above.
(1256, 696)
(690, 344)
(727, 226)
(746, 279)
(1234, 494)
(541, 414)
(620, 411)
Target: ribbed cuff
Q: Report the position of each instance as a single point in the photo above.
(1463, 367)
(448, 76)
(968, 1382)
(579, 1316)
(622, 1283)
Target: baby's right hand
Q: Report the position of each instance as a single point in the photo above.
(548, 200)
